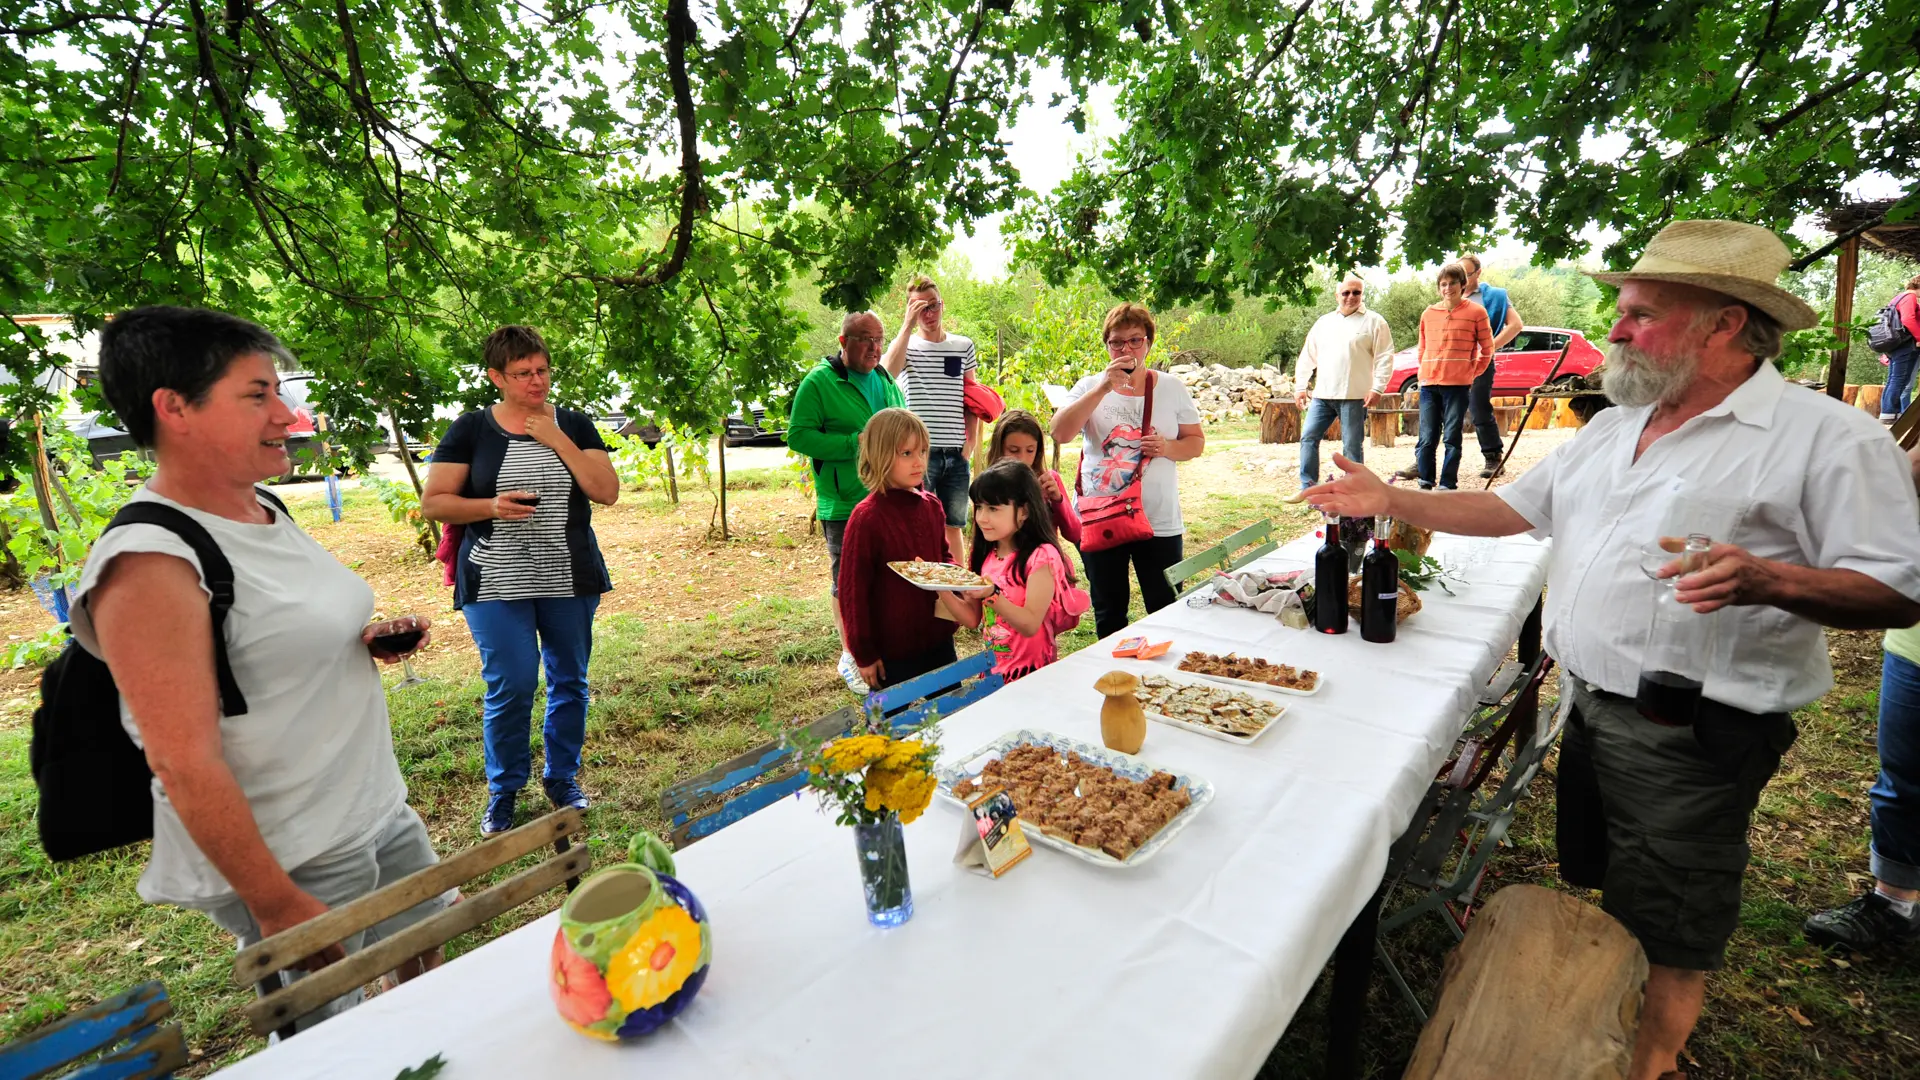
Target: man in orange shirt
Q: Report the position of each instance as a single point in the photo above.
(1456, 344)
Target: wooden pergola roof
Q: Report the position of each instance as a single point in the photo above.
(1867, 221)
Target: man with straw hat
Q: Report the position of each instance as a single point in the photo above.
(1813, 521)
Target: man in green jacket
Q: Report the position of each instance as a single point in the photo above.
(829, 409)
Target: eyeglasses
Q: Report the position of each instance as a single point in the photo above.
(1124, 344)
(869, 339)
(529, 375)
(1349, 292)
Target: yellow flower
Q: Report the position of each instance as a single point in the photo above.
(911, 795)
(853, 754)
(656, 961)
(901, 755)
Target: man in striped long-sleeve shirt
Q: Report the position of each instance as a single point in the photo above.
(1456, 344)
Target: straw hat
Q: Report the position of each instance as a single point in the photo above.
(1743, 261)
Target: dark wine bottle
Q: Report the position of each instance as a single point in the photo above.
(1379, 588)
(1330, 581)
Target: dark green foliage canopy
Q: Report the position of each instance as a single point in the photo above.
(383, 181)
(1261, 138)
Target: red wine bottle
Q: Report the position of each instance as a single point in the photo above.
(1379, 589)
(1330, 581)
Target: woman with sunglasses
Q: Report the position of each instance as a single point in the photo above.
(521, 476)
(1109, 409)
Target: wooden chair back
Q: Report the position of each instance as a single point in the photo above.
(1222, 558)
(281, 1003)
(126, 1030)
(704, 804)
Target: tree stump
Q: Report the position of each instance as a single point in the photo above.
(1332, 432)
(1410, 421)
(1849, 392)
(1543, 986)
(1382, 423)
(1564, 416)
(1869, 399)
(1280, 422)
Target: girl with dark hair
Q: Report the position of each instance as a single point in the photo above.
(1014, 546)
(1019, 436)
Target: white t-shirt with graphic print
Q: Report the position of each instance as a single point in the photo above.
(1112, 451)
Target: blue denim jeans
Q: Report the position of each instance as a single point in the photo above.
(1320, 413)
(514, 637)
(1900, 367)
(948, 476)
(1443, 411)
(1486, 427)
(1896, 796)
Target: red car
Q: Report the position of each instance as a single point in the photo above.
(1519, 367)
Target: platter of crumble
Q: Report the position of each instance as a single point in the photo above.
(1251, 671)
(1095, 804)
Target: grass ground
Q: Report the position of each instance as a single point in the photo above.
(704, 641)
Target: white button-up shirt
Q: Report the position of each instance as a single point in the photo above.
(1782, 471)
(1345, 356)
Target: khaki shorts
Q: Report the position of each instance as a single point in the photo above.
(400, 848)
(1657, 817)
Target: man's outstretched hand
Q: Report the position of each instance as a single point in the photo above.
(1357, 494)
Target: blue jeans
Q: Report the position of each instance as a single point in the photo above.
(1895, 811)
(1900, 366)
(949, 476)
(514, 637)
(1480, 406)
(1443, 411)
(1320, 413)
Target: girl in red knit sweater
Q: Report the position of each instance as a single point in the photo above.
(892, 630)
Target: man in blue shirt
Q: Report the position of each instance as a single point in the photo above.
(1506, 326)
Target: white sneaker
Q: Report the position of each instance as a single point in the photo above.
(851, 672)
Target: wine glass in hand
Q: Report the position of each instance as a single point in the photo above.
(399, 639)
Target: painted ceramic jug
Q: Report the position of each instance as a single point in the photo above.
(632, 949)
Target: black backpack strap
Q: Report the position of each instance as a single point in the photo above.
(270, 497)
(217, 572)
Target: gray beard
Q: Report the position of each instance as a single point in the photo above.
(1635, 378)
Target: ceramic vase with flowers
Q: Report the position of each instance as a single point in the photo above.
(633, 947)
(876, 779)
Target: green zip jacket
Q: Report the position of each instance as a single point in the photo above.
(824, 424)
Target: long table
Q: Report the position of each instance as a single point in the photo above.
(1190, 965)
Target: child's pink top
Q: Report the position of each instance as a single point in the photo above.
(1066, 520)
(1025, 653)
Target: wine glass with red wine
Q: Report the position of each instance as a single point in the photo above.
(402, 642)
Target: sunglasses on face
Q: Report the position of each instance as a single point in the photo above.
(1349, 292)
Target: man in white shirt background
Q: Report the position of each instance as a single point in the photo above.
(932, 367)
(1342, 371)
(1814, 523)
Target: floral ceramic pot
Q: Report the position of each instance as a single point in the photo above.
(632, 951)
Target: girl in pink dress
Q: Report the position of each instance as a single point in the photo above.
(1019, 436)
(1036, 598)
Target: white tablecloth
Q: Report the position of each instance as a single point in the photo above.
(1190, 965)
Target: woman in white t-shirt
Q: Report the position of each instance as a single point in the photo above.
(265, 819)
(1109, 410)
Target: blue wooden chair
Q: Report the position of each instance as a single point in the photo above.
(125, 1030)
(705, 804)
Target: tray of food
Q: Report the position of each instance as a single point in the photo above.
(1238, 670)
(938, 576)
(1230, 715)
(1095, 804)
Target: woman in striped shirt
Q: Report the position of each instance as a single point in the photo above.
(1456, 344)
(521, 476)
